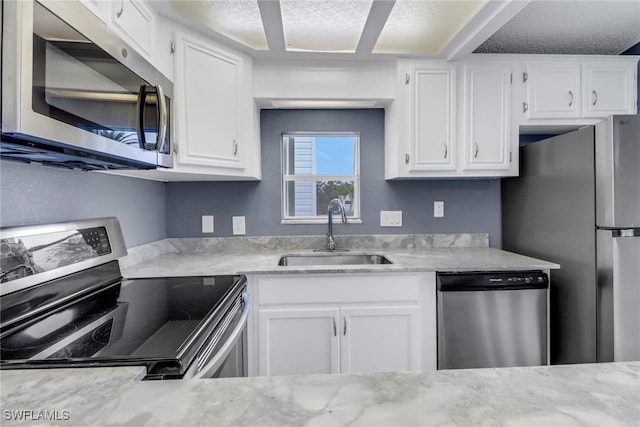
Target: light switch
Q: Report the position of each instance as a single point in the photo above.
(238, 225)
(390, 218)
(207, 223)
(438, 209)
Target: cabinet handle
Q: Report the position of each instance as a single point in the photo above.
(407, 79)
(119, 13)
(335, 328)
(525, 107)
(235, 148)
(344, 331)
(406, 158)
(446, 150)
(476, 148)
(570, 98)
(595, 97)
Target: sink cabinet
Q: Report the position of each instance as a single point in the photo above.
(342, 323)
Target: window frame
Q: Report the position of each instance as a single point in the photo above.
(286, 178)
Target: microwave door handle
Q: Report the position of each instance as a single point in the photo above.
(214, 364)
(142, 99)
(163, 119)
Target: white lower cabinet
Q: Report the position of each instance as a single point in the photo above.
(299, 341)
(379, 339)
(342, 323)
(330, 340)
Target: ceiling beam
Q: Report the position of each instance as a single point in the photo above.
(272, 23)
(378, 14)
(483, 25)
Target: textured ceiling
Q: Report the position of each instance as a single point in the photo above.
(451, 29)
(569, 27)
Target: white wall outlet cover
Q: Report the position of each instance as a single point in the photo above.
(438, 209)
(390, 218)
(207, 223)
(238, 225)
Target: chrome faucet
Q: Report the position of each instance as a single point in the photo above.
(331, 244)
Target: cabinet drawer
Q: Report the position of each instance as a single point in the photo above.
(338, 288)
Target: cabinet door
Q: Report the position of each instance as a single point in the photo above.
(98, 7)
(208, 81)
(298, 341)
(553, 91)
(487, 117)
(608, 89)
(379, 339)
(134, 23)
(433, 141)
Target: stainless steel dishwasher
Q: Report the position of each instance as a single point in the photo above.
(492, 319)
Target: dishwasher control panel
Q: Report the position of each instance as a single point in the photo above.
(479, 281)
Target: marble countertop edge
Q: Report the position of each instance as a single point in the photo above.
(590, 395)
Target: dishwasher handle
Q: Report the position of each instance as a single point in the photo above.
(492, 281)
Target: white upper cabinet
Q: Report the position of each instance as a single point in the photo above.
(98, 7)
(488, 135)
(135, 23)
(432, 120)
(451, 120)
(216, 120)
(608, 88)
(552, 90)
(561, 93)
(420, 124)
(209, 82)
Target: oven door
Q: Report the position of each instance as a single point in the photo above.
(225, 353)
(68, 82)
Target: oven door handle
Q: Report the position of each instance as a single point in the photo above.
(218, 359)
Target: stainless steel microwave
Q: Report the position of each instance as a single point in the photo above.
(75, 95)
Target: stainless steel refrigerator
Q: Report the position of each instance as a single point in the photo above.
(577, 203)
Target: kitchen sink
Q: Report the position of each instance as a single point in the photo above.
(333, 259)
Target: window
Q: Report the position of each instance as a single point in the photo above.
(317, 168)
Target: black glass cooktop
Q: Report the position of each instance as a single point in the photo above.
(161, 320)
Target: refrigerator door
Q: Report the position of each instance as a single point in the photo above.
(618, 295)
(617, 148)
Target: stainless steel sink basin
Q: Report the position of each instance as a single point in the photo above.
(333, 259)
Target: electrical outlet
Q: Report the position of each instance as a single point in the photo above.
(238, 225)
(207, 223)
(438, 209)
(390, 218)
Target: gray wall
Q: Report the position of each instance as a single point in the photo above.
(34, 194)
(470, 205)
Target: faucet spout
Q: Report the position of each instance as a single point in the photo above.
(331, 244)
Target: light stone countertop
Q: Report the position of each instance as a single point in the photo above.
(202, 257)
(598, 395)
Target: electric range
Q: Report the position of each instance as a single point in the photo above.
(64, 303)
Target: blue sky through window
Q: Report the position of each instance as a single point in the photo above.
(335, 155)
